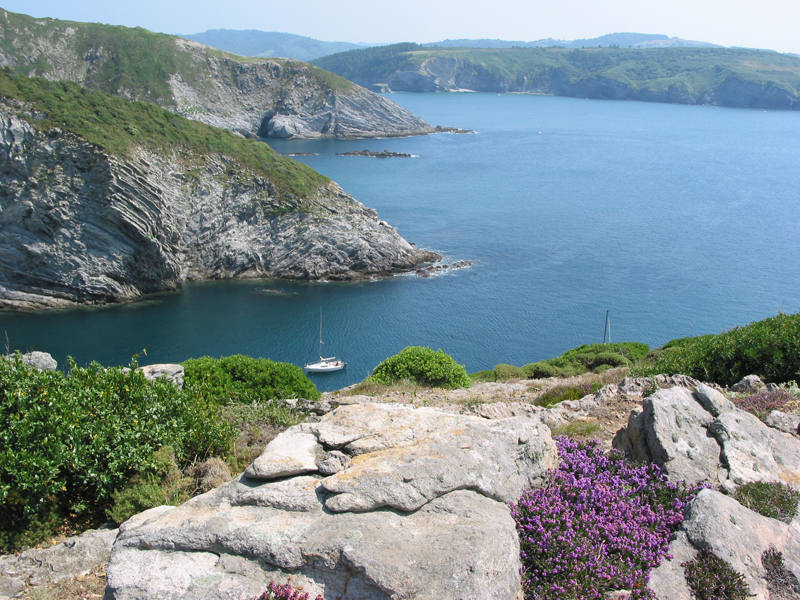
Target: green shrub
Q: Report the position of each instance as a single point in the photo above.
(769, 348)
(160, 482)
(589, 357)
(771, 499)
(482, 376)
(423, 366)
(711, 578)
(579, 429)
(560, 393)
(244, 379)
(67, 443)
(503, 372)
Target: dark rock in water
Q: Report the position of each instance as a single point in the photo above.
(438, 269)
(382, 154)
(443, 129)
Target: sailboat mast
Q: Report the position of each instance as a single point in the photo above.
(320, 333)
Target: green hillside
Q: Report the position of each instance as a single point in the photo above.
(131, 62)
(118, 125)
(724, 76)
(251, 42)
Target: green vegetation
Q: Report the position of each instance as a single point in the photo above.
(560, 393)
(69, 443)
(687, 75)
(592, 357)
(581, 429)
(240, 379)
(769, 348)
(711, 578)
(781, 582)
(118, 126)
(131, 62)
(770, 499)
(423, 366)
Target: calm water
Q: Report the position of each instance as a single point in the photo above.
(679, 220)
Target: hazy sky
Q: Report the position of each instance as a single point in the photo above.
(773, 24)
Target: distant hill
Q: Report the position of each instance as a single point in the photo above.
(721, 76)
(266, 97)
(611, 40)
(269, 44)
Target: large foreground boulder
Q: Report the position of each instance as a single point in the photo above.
(416, 507)
(699, 435)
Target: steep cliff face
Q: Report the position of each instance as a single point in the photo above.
(79, 225)
(268, 97)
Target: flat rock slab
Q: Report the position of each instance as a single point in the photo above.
(74, 556)
(420, 511)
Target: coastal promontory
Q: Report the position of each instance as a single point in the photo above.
(104, 200)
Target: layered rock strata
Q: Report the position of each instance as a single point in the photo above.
(78, 225)
(372, 502)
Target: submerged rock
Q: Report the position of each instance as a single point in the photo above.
(419, 512)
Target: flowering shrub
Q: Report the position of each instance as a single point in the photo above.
(597, 525)
(710, 578)
(285, 592)
(769, 498)
(764, 402)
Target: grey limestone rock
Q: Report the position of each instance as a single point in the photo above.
(41, 360)
(74, 556)
(420, 513)
(172, 373)
(671, 430)
(748, 384)
(701, 436)
(292, 452)
(667, 580)
(333, 462)
(786, 422)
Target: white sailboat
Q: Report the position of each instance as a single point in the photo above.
(325, 364)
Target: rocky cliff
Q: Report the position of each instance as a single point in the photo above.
(719, 76)
(79, 224)
(267, 97)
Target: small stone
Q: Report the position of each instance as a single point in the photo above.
(748, 384)
(333, 462)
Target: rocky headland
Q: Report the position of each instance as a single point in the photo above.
(255, 97)
(83, 224)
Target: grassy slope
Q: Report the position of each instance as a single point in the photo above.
(118, 125)
(654, 69)
(132, 62)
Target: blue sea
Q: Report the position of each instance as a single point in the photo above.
(679, 220)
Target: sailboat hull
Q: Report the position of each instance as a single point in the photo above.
(325, 365)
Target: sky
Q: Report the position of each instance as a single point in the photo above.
(772, 24)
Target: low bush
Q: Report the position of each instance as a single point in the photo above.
(770, 499)
(781, 582)
(765, 401)
(560, 393)
(482, 376)
(503, 372)
(580, 429)
(598, 524)
(769, 348)
(711, 578)
(285, 592)
(160, 482)
(422, 366)
(244, 379)
(69, 442)
(592, 357)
